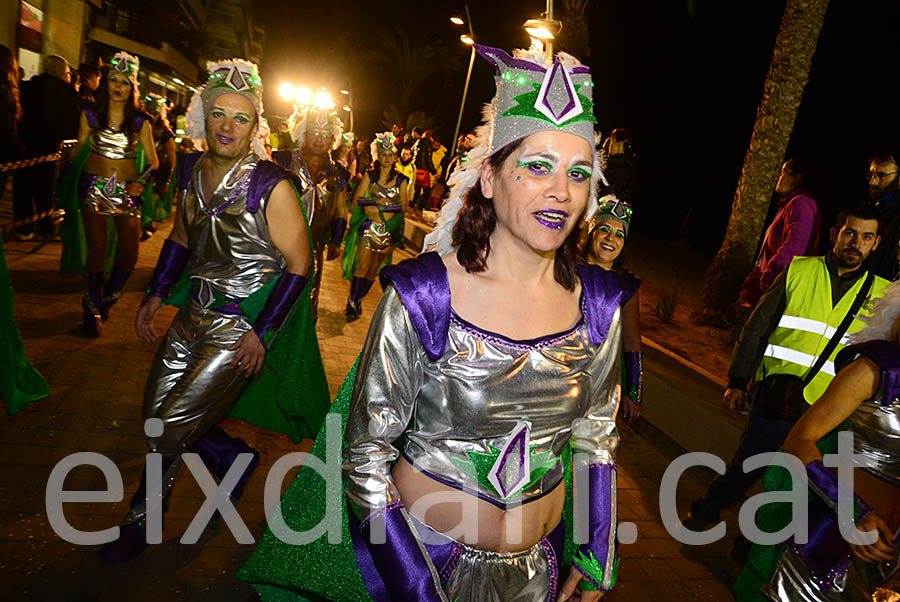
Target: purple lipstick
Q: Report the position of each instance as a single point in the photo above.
(224, 139)
(554, 219)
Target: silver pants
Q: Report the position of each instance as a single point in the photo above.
(376, 237)
(474, 575)
(98, 196)
(192, 385)
(792, 582)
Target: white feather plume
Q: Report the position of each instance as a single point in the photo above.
(885, 313)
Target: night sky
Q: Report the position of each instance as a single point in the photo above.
(686, 82)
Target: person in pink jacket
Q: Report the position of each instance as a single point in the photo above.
(794, 230)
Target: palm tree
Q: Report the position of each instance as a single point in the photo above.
(407, 62)
(788, 73)
(574, 37)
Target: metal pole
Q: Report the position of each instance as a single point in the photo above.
(550, 17)
(462, 105)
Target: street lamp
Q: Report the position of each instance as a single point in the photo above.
(545, 29)
(323, 100)
(304, 96)
(286, 91)
(470, 41)
(349, 106)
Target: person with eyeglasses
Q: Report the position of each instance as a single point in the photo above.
(884, 193)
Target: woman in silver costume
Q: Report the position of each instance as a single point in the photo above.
(111, 184)
(865, 394)
(376, 223)
(607, 233)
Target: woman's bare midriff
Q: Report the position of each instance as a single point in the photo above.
(372, 213)
(473, 521)
(125, 169)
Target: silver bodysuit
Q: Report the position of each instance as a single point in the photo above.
(113, 144)
(490, 416)
(376, 236)
(191, 383)
(876, 434)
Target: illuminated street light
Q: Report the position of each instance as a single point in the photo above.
(177, 81)
(345, 92)
(323, 100)
(286, 91)
(543, 29)
(466, 39)
(457, 21)
(347, 108)
(304, 96)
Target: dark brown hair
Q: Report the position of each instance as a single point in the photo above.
(130, 110)
(477, 219)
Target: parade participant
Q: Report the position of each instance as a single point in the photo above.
(342, 154)
(493, 411)
(325, 183)
(239, 259)
(115, 161)
(864, 394)
(376, 224)
(607, 234)
(158, 198)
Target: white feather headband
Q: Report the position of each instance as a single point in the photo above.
(305, 119)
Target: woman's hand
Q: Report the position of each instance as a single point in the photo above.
(570, 589)
(250, 354)
(143, 323)
(630, 411)
(134, 188)
(880, 551)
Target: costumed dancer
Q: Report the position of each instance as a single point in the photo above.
(238, 261)
(158, 198)
(496, 361)
(326, 183)
(861, 399)
(115, 161)
(376, 223)
(607, 234)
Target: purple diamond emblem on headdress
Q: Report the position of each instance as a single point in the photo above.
(237, 80)
(512, 469)
(322, 118)
(557, 98)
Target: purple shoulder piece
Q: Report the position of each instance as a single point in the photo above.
(883, 353)
(603, 294)
(166, 135)
(401, 180)
(264, 179)
(424, 290)
(343, 176)
(90, 114)
(630, 285)
(282, 158)
(185, 169)
(139, 118)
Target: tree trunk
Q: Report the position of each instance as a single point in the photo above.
(783, 91)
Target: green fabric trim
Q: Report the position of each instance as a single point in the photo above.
(481, 465)
(526, 102)
(20, 382)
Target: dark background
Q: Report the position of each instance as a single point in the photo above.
(685, 77)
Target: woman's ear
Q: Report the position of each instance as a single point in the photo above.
(487, 180)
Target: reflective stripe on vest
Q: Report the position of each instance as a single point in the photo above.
(808, 323)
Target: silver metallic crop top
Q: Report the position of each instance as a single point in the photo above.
(113, 144)
(490, 416)
(232, 253)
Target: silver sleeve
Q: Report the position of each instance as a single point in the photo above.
(595, 437)
(388, 379)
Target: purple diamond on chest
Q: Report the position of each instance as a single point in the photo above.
(512, 469)
(557, 98)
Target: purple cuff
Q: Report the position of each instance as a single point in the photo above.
(278, 306)
(145, 176)
(595, 559)
(338, 227)
(399, 560)
(365, 202)
(364, 225)
(826, 553)
(391, 209)
(634, 375)
(169, 268)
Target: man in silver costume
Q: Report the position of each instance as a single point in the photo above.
(326, 183)
(240, 237)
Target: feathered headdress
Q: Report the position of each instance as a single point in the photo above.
(234, 76)
(611, 206)
(128, 65)
(310, 119)
(382, 143)
(533, 95)
(885, 312)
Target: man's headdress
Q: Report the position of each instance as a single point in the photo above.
(128, 65)
(533, 95)
(311, 119)
(234, 76)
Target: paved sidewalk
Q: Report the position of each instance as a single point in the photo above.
(97, 387)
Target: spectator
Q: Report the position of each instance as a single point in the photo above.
(790, 327)
(465, 143)
(795, 229)
(621, 165)
(282, 138)
(424, 167)
(90, 82)
(405, 166)
(51, 115)
(10, 111)
(884, 192)
(439, 160)
(74, 82)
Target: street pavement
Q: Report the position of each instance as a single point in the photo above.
(97, 387)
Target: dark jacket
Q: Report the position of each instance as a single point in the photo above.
(51, 114)
(748, 350)
(883, 260)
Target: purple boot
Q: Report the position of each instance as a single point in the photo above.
(118, 278)
(219, 450)
(92, 302)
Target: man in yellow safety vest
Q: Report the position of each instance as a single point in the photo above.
(787, 332)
